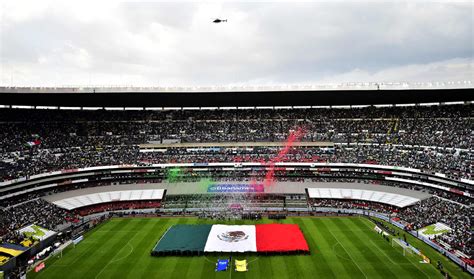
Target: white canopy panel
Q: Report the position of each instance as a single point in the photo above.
(104, 197)
(360, 194)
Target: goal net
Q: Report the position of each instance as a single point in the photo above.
(402, 246)
(405, 249)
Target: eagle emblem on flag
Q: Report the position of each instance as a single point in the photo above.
(233, 236)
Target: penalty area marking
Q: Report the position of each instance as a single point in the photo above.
(337, 254)
(383, 252)
(348, 254)
(409, 259)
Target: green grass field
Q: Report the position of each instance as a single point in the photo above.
(341, 247)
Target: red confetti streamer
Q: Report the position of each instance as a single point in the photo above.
(294, 136)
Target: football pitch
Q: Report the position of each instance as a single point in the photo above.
(341, 247)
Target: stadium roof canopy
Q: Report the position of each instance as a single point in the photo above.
(246, 96)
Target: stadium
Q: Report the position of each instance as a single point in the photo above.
(359, 191)
(236, 140)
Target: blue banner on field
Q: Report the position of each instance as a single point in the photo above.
(235, 188)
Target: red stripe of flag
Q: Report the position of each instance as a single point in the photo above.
(280, 238)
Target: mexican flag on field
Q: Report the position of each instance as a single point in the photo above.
(232, 238)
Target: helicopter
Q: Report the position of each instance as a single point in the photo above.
(217, 20)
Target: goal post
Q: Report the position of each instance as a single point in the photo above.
(58, 252)
(408, 249)
(397, 243)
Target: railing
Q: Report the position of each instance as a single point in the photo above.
(245, 88)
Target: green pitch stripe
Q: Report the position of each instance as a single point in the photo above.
(379, 245)
(302, 264)
(375, 265)
(264, 268)
(278, 265)
(139, 257)
(115, 250)
(345, 252)
(326, 243)
(99, 242)
(326, 261)
(99, 245)
(329, 259)
(410, 268)
(197, 267)
(374, 262)
(340, 262)
(156, 265)
(150, 264)
(170, 269)
(77, 255)
(89, 245)
(315, 264)
(295, 268)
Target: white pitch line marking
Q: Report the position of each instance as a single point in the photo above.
(348, 254)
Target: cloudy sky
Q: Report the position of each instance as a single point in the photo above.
(52, 43)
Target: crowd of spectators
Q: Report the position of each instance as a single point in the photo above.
(458, 217)
(112, 206)
(457, 164)
(449, 126)
(437, 138)
(36, 211)
(354, 204)
(222, 202)
(71, 139)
